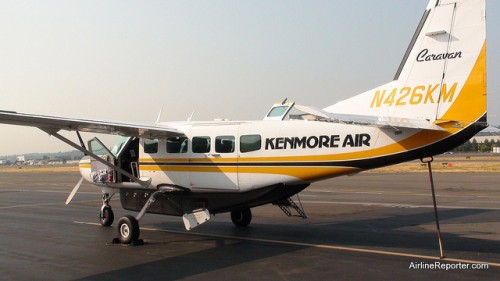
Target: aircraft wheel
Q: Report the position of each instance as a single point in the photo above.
(128, 229)
(106, 216)
(241, 217)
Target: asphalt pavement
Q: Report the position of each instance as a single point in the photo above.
(364, 227)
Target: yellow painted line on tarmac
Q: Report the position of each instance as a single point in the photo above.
(318, 246)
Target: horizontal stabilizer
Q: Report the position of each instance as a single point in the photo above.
(368, 120)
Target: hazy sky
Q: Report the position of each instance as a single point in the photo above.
(124, 60)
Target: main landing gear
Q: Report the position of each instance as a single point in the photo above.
(241, 217)
(128, 230)
(128, 226)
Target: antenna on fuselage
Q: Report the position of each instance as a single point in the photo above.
(159, 116)
(191, 116)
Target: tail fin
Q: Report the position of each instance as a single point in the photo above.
(442, 77)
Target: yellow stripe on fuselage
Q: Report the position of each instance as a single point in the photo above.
(303, 173)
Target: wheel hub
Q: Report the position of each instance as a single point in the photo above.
(124, 230)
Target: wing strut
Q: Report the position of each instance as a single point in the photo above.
(81, 140)
(144, 183)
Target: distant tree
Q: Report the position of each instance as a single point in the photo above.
(484, 147)
(460, 148)
(474, 145)
(467, 146)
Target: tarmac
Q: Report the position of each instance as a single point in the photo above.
(371, 226)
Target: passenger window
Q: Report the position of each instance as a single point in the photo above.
(201, 144)
(250, 143)
(224, 144)
(177, 145)
(150, 146)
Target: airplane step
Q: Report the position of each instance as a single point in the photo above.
(287, 204)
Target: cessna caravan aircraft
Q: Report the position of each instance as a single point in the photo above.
(436, 101)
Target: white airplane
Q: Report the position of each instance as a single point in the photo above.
(436, 101)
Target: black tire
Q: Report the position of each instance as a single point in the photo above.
(128, 229)
(241, 217)
(106, 216)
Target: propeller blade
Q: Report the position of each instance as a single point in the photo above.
(73, 192)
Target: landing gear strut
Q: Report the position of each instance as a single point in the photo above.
(241, 217)
(106, 216)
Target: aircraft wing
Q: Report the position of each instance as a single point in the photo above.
(54, 124)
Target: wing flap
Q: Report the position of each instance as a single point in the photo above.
(55, 123)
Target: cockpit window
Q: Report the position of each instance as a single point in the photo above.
(98, 148)
(118, 146)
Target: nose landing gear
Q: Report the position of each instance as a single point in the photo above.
(106, 216)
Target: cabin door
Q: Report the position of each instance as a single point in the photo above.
(126, 152)
(98, 171)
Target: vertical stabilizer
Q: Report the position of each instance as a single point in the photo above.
(442, 77)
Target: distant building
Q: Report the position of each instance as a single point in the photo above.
(491, 134)
(481, 139)
(20, 160)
